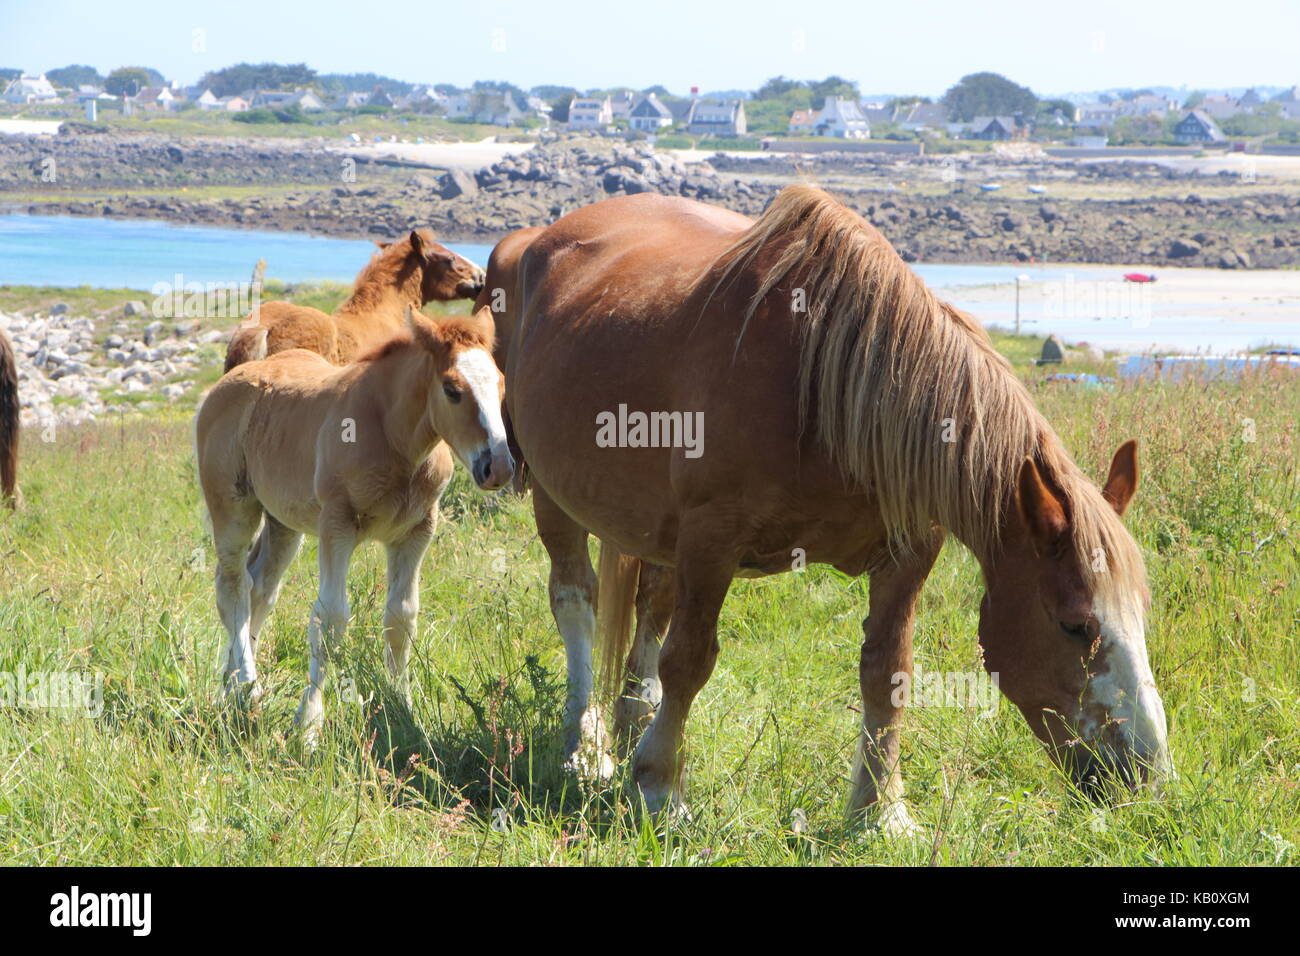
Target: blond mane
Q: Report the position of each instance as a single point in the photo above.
(887, 372)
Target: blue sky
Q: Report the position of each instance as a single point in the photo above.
(893, 47)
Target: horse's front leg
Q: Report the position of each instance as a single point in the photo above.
(886, 655)
(572, 589)
(329, 618)
(403, 604)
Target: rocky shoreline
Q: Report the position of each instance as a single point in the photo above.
(961, 224)
(76, 369)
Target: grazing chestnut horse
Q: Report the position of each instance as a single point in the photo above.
(412, 271)
(848, 417)
(351, 454)
(8, 423)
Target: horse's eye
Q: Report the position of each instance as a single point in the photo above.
(452, 393)
(1080, 632)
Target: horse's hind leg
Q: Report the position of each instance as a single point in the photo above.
(886, 653)
(234, 523)
(641, 693)
(274, 552)
(403, 606)
(702, 579)
(572, 592)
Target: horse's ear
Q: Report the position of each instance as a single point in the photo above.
(1039, 506)
(423, 332)
(1122, 481)
(428, 250)
(381, 244)
(484, 324)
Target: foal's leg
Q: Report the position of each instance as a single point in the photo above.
(271, 557)
(887, 652)
(689, 652)
(403, 606)
(234, 522)
(572, 590)
(329, 616)
(642, 692)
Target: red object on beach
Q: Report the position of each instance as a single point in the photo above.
(1139, 277)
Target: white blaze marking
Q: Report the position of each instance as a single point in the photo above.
(481, 374)
(1127, 691)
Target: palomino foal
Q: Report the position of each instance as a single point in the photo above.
(351, 454)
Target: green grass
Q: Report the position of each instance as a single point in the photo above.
(108, 570)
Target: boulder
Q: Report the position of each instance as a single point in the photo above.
(457, 182)
(1053, 351)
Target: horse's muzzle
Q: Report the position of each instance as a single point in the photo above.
(470, 288)
(1104, 775)
(492, 471)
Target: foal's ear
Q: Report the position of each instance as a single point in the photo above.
(423, 332)
(381, 244)
(1039, 506)
(1122, 481)
(484, 324)
(427, 249)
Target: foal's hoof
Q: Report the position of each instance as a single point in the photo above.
(590, 763)
(895, 822)
(243, 700)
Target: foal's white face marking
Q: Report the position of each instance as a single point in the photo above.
(482, 376)
(1126, 691)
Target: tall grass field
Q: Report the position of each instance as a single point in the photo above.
(107, 573)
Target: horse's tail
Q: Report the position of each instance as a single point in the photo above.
(8, 423)
(615, 600)
(248, 344)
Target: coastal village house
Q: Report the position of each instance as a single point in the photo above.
(479, 106)
(590, 113)
(842, 119)
(649, 115)
(1198, 127)
(723, 118)
(916, 117)
(1220, 106)
(211, 103)
(422, 99)
(158, 98)
(31, 89)
(352, 101)
(994, 128)
(621, 104)
(802, 122)
(305, 100)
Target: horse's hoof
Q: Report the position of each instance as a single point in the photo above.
(895, 822)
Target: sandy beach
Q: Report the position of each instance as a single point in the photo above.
(468, 156)
(1210, 309)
